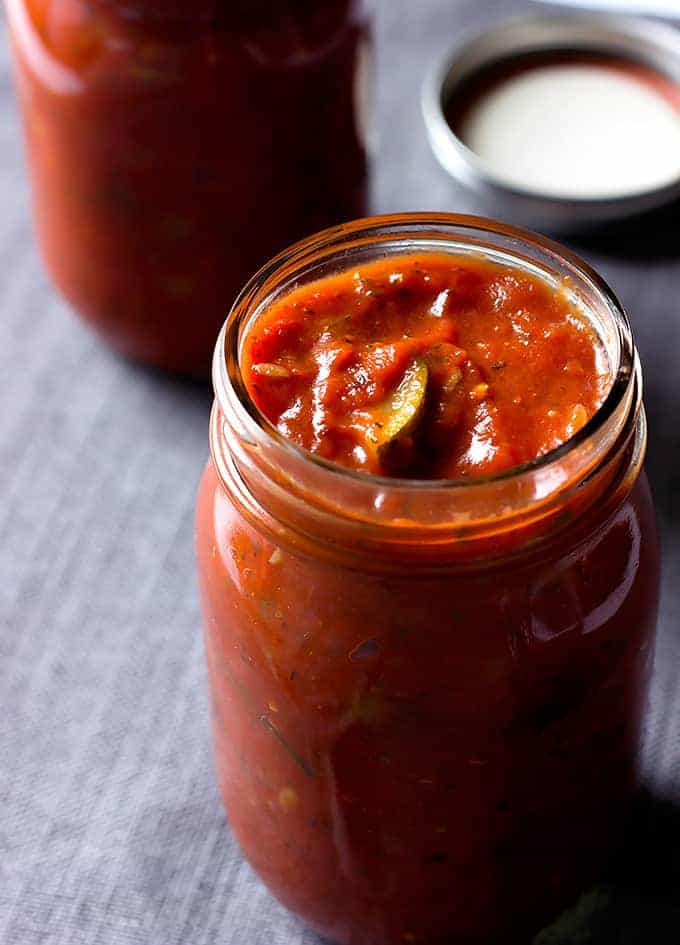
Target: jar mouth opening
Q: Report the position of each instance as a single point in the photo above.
(407, 233)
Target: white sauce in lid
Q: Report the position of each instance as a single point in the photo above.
(577, 130)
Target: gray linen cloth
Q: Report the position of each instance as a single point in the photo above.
(111, 830)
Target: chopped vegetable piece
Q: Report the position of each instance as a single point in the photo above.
(297, 758)
(577, 419)
(273, 371)
(288, 799)
(453, 380)
(400, 415)
(367, 650)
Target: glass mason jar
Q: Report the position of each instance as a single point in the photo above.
(427, 697)
(162, 135)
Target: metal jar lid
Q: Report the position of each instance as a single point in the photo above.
(639, 41)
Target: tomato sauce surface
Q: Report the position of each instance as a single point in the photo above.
(426, 366)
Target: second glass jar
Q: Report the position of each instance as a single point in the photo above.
(175, 147)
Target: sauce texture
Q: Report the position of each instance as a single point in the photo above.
(426, 366)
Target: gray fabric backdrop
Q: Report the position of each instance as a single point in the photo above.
(111, 831)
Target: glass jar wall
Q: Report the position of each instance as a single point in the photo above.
(428, 698)
(175, 147)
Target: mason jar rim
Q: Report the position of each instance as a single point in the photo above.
(409, 229)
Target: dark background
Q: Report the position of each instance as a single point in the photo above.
(111, 830)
